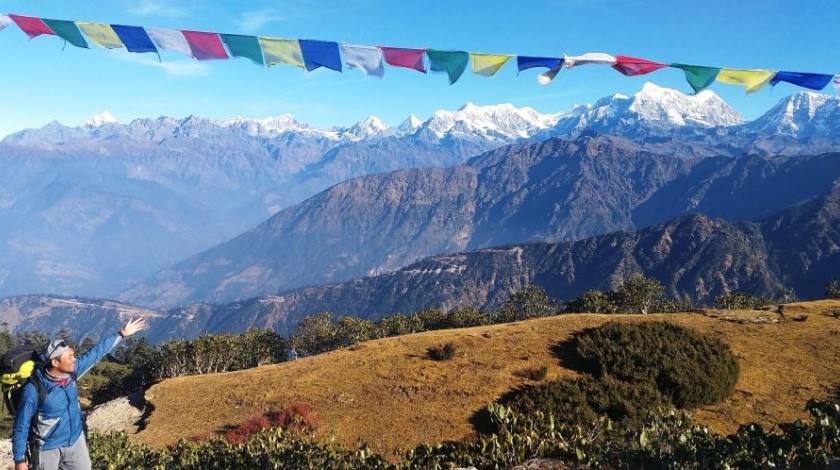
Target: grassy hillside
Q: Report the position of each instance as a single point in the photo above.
(388, 394)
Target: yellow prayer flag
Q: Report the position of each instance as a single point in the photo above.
(752, 80)
(281, 51)
(488, 64)
(102, 34)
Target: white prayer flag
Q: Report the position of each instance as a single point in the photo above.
(368, 59)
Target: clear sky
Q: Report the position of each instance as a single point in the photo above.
(41, 83)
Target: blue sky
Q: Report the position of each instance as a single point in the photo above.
(42, 83)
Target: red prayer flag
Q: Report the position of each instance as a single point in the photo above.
(32, 26)
(408, 58)
(635, 66)
(205, 46)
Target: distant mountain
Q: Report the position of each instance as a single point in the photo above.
(694, 256)
(170, 188)
(549, 191)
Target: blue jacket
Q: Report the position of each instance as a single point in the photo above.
(59, 421)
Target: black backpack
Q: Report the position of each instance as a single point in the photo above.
(17, 368)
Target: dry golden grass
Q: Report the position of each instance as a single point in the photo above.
(389, 395)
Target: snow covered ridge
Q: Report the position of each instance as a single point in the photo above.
(651, 110)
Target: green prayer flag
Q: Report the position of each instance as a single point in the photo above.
(452, 62)
(244, 46)
(68, 31)
(698, 76)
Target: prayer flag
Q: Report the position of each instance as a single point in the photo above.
(698, 76)
(814, 81)
(31, 26)
(598, 58)
(102, 34)
(527, 62)
(68, 31)
(546, 77)
(631, 66)
(169, 40)
(752, 80)
(4, 21)
(452, 62)
(488, 64)
(281, 51)
(205, 46)
(368, 59)
(135, 38)
(244, 46)
(406, 58)
(320, 54)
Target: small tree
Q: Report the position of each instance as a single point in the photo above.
(832, 290)
(639, 294)
(351, 330)
(315, 334)
(529, 302)
(592, 301)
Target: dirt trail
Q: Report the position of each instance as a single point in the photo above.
(389, 395)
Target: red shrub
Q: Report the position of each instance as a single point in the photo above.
(295, 417)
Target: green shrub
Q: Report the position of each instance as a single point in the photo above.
(467, 317)
(443, 352)
(690, 369)
(592, 301)
(832, 290)
(639, 294)
(583, 400)
(529, 302)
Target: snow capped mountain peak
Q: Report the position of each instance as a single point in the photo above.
(97, 120)
(501, 121)
(270, 125)
(801, 115)
(410, 125)
(369, 127)
(707, 109)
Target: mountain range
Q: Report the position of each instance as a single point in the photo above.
(73, 198)
(695, 257)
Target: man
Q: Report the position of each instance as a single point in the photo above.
(57, 440)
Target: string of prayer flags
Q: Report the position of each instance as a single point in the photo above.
(698, 76)
(32, 27)
(367, 59)
(169, 40)
(814, 81)
(102, 34)
(752, 80)
(320, 54)
(312, 54)
(205, 46)
(528, 62)
(488, 64)
(68, 31)
(453, 63)
(406, 58)
(598, 58)
(632, 66)
(244, 46)
(135, 38)
(281, 51)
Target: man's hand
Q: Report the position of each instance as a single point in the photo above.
(22, 466)
(133, 326)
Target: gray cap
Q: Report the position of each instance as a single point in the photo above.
(56, 348)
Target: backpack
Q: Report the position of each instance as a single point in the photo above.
(17, 367)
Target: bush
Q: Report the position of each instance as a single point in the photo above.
(690, 369)
(443, 352)
(741, 301)
(315, 334)
(832, 290)
(639, 294)
(467, 317)
(533, 373)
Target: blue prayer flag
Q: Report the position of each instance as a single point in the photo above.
(526, 62)
(320, 54)
(814, 81)
(135, 38)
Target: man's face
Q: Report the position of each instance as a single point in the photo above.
(66, 363)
